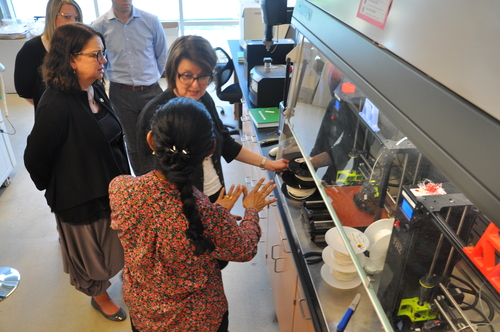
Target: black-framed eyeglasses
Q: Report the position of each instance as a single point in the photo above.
(99, 55)
(189, 79)
(69, 16)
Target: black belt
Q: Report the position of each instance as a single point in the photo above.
(134, 88)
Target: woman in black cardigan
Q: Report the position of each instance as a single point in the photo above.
(74, 150)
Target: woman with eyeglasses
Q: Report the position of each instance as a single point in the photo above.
(189, 71)
(74, 150)
(27, 76)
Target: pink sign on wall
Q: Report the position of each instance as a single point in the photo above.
(374, 11)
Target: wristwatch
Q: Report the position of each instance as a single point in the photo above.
(263, 163)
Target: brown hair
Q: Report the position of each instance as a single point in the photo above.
(193, 48)
(68, 39)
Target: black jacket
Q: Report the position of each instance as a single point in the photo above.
(67, 153)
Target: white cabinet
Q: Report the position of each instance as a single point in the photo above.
(7, 159)
(291, 307)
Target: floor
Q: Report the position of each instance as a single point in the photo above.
(45, 301)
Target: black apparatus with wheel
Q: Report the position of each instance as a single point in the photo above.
(265, 59)
(232, 93)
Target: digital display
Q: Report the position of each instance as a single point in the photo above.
(406, 208)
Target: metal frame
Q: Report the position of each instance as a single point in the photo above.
(6, 9)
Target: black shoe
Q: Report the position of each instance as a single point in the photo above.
(119, 316)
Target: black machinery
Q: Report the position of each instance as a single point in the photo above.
(267, 82)
(427, 274)
(317, 218)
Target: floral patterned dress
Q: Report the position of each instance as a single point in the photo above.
(167, 287)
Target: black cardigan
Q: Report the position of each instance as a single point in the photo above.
(27, 76)
(226, 146)
(67, 153)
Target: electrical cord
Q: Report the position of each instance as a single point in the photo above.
(313, 260)
(481, 295)
(11, 125)
(484, 322)
(472, 290)
(469, 305)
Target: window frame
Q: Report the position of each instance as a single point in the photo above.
(8, 11)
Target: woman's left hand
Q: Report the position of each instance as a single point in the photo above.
(228, 200)
(276, 165)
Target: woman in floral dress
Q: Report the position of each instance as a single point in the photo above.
(173, 235)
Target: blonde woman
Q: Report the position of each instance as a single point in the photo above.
(27, 77)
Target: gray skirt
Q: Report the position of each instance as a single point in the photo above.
(92, 254)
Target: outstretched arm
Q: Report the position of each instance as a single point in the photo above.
(248, 157)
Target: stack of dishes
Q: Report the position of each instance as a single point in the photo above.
(298, 183)
(339, 270)
(379, 235)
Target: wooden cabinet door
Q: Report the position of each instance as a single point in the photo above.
(302, 321)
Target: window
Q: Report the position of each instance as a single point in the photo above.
(24, 11)
(166, 10)
(216, 20)
(199, 10)
(210, 10)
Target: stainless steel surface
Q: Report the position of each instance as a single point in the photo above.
(333, 301)
(355, 302)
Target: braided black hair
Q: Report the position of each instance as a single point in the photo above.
(183, 137)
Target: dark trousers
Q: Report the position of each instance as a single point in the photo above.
(128, 105)
(224, 325)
